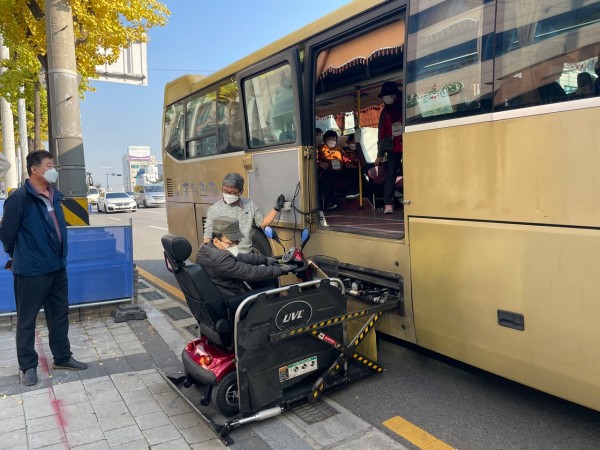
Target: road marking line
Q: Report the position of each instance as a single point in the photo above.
(415, 435)
(161, 284)
(158, 228)
(113, 218)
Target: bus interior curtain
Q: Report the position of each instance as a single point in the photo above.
(361, 50)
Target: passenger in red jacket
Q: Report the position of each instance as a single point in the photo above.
(390, 140)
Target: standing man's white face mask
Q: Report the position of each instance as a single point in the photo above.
(389, 99)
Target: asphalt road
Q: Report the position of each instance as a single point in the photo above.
(463, 407)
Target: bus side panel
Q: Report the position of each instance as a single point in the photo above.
(534, 169)
(181, 220)
(464, 272)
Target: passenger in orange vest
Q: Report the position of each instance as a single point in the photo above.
(333, 164)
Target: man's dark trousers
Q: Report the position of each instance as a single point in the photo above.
(31, 293)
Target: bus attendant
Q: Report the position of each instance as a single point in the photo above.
(390, 140)
(244, 210)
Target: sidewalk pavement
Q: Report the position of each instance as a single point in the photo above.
(121, 401)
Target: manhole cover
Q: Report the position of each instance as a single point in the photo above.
(152, 296)
(177, 313)
(192, 329)
(314, 412)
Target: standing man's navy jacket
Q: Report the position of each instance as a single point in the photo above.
(25, 217)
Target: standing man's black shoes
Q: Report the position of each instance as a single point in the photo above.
(71, 364)
(29, 376)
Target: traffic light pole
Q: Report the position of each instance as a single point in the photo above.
(63, 99)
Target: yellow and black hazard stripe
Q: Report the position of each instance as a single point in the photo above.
(275, 337)
(75, 210)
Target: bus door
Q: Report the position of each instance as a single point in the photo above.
(273, 154)
(345, 69)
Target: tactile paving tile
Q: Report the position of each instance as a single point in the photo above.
(177, 313)
(152, 295)
(314, 412)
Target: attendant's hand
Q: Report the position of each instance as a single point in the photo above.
(8, 265)
(378, 160)
(272, 261)
(279, 203)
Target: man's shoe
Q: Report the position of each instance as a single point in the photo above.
(389, 209)
(71, 364)
(331, 207)
(29, 377)
(352, 196)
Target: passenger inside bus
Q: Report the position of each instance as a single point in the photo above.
(389, 143)
(338, 170)
(585, 86)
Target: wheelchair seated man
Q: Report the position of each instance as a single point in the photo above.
(228, 269)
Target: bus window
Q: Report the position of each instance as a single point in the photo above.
(541, 50)
(229, 120)
(449, 67)
(201, 126)
(173, 131)
(269, 101)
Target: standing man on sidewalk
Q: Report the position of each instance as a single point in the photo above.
(34, 234)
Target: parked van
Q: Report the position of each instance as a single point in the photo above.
(92, 195)
(149, 195)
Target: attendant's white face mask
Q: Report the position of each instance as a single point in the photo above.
(331, 143)
(230, 198)
(389, 99)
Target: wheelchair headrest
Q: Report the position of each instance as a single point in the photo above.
(177, 246)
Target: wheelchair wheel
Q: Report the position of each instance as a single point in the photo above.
(225, 395)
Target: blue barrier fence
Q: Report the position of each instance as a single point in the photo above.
(99, 266)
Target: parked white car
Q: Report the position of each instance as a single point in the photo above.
(116, 201)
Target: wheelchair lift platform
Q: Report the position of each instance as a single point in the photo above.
(291, 345)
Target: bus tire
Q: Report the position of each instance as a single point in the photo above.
(260, 242)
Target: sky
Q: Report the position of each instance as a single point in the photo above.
(200, 37)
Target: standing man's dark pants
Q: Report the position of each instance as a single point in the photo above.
(394, 162)
(30, 295)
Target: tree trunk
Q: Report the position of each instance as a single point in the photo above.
(37, 117)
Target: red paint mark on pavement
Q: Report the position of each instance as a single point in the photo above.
(56, 403)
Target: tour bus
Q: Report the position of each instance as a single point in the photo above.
(494, 242)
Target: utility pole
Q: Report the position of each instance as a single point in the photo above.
(8, 130)
(63, 103)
